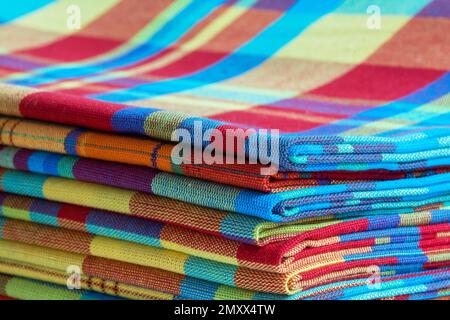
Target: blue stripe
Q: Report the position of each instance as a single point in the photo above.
(70, 143)
(191, 287)
(131, 120)
(249, 56)
(45, 213)
(170, 33)
(11, 10)
(44, 162)
(22, 183)
(210, 270)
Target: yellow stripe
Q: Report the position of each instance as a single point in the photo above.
(88, 194)
(199, 253)
(39, 255)
(205, 35)
(53, 18)
(48, 24)
(151, 28)
(138, 254)
(354, 43)
(88, 283)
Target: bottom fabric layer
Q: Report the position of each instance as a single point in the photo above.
(24, 288)
(108, 276)
(183, 264)
(14, 287)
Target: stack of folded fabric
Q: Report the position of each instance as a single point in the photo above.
(356, 205)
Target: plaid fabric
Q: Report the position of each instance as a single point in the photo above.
(158, 155)
(50, 264)
(276, 257)
(131, 292)
(428, 228)
(133, 178)
(309, 203)
(238, 227)
(110, 288)
(443, 294)
(373, 98)
(25, 289)
(308, 272)
(364, 151)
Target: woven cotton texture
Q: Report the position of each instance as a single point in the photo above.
(424, 229)
(158, 155)
(88, 175)
(308, 272)
(351, 112)
(228, 224)
(129, 280)
(25, 289)
(306, 203)
(376, 103)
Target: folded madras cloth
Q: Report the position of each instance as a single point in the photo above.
(158, 155)
(164, 184)
(152, 184)
(18, 287)
(302, 274)
(213, 222)
(343, 95)
(363, 153)
(423, 230)
(132, 281)
(307, 203)
(155, 154)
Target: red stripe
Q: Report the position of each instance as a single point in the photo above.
(69, 110)
(74, 48)
(379, 83)
(95, 38)
(270, 117)
(274, 253)
(73, 213)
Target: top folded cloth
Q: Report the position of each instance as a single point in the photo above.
(348, 88)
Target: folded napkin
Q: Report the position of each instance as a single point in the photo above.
(227, 224)
(353, 111)
(308, 203)
(303, 273)
(156, 154)
(424, 229)
(344, 103)
(133, 281)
